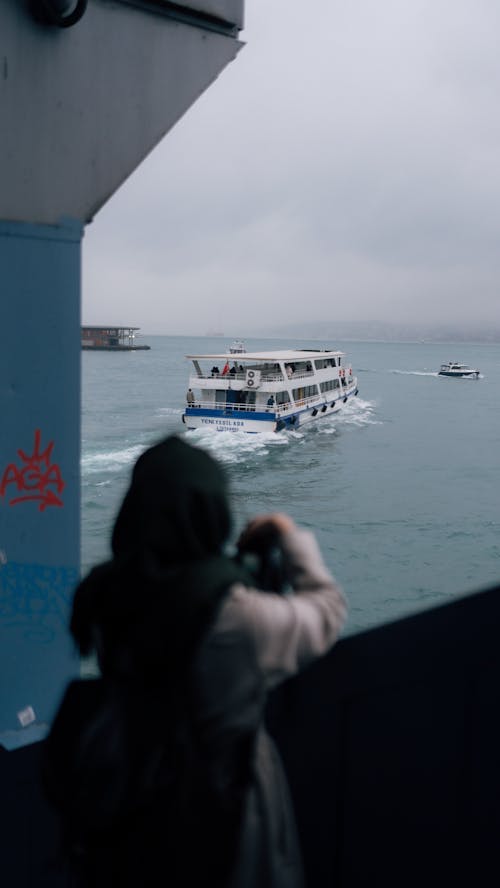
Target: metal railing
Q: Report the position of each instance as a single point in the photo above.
(312, 400)
(268, 377)
(273, 377)
(246, 408)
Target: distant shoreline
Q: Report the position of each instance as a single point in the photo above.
(286, 337)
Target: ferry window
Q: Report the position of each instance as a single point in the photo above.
(305, 391)
(282, 397)
(321, 364)
(300, 368)
(329, 385)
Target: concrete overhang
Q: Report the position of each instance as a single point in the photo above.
(81, 107)
(215, 14)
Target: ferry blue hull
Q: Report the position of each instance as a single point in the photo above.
(227, 420)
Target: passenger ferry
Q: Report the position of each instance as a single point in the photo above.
(454, 368)
(266, 391)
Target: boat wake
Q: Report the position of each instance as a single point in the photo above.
(110, 460)
(237, 447)
(356, 412)
(415, 372)
(169, 411)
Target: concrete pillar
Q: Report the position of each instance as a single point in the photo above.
(39, 470)
(80, 107)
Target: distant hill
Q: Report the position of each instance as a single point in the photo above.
(382, 331)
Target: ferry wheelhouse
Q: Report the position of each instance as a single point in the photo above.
(266, 391)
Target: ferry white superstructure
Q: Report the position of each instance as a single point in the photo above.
(266, 391)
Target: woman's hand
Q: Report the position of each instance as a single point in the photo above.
(264, 531)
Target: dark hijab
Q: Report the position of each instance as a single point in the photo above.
(147, 608)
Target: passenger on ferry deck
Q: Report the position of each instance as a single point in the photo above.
(190, 397)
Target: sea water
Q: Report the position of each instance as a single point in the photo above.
(401, 488)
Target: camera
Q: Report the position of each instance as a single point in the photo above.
(266, 568)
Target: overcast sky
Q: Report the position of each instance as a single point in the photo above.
(345, 166)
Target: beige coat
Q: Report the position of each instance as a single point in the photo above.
(258, 640)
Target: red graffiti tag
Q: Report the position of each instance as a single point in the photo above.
(35, 477)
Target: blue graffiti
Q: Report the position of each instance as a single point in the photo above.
(36, 598)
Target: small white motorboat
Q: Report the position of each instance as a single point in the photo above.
(454, 368)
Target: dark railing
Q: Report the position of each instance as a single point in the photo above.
(391, 744)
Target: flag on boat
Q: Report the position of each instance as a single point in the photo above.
(225, 369)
